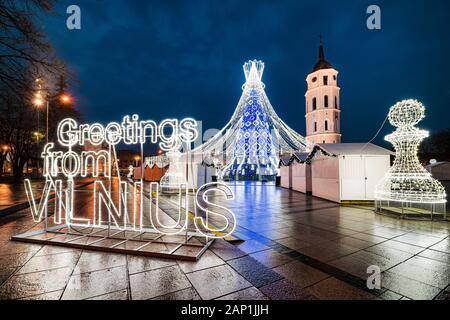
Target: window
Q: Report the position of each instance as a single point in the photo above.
(315, 126)
(335, 102)
(334, 77)
(326, 125)
(314, 103)
(325, 80)
(326, 101)
(314, 79)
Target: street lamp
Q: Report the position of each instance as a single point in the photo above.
(65, 98)
(137, 158)
(39, 102)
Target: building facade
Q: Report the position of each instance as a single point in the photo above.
(323, 109)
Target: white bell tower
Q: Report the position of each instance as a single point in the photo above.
(323, 109)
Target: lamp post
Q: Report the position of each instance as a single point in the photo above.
(39, 101)
(4, 155)
(136, 159)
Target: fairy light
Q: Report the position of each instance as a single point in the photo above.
(250, 143)
(407, 180)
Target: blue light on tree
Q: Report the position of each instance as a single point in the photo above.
(254, 152)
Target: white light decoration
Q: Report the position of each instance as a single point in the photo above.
(255, 135)
(407, 181)
(70, 164)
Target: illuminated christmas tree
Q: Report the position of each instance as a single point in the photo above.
(254, 152)
(249, 145)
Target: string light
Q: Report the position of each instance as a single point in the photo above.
(250, 143)
(407, 180)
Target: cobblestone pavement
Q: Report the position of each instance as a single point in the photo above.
(14, 193)
(296, 247)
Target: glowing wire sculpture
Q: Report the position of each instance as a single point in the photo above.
(251, 142)
(407, 180)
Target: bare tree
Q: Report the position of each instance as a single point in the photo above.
(26, 54)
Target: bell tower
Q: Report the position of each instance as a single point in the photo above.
(323, 109)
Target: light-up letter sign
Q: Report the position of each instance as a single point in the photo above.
(63, 164)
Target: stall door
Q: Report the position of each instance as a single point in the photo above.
(376, 167)
(352, 177)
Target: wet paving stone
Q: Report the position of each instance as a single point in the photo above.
(32, 284)
(16, 259)
(118, 295)
(327, 251)
(334, 289)
(443, 246)
(48, 250)
(285, 290)
(444, 296)
(408, 287)
(18, 247)
(91, 261)
(246, 294)
(185, 294)
(5, 273)
(254, 271)
(390, 295)
(218, 281)
(271, 258)
(368, 237)
(354, 242)
(208, 260)
(386, 232)
(341, 241)
(436, 255)
(138, 264)
(251, 246)
(154, 283)
(54, 295)
(91, 284)
(358, 263)
(293, 243)
(226, 251)
(54, 261)
(389, 253)
(431, 272)
(400, 246)
(301, 274)
(418, 239)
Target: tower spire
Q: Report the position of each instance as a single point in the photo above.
(321, 53)
(321, 63)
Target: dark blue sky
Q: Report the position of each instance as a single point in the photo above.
(184, 58)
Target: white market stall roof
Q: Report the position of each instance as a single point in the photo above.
(338, 149)
(334, 150)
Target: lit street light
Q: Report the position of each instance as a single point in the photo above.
(137, 158)
(39, 101)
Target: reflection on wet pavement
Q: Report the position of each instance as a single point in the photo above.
(297, 247)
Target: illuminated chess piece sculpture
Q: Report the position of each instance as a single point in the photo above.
(407, 181)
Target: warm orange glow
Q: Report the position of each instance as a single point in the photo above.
(38, 102)
(137, 158)
(65, 98)
(5, 148)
